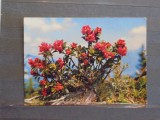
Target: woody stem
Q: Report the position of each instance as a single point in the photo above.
(73, 63)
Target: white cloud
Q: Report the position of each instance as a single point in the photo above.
(138, 30)
(31, 47)
(136, 38)
(27, 38)
(41, 24)
(37, 42)
(37, 30)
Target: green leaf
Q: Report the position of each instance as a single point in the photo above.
(64, 44)
(73, 54)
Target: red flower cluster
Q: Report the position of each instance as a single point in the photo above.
(98, 30)
(68, 51)
(86, 29)
(102, 46)
(43, 82)
(90, 35)
(121, 47)
(74, 45)
(36, 63)
(44, 92)
(60, 62)
(83, 55)
(122, 50)
(58, 45)
(108, 54)
(44, 47)
(121, 43)
(58, 87)
(85, 62)
(33, 73)
(31, 62)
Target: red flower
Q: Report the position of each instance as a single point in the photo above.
(106, 44)
(58, 87)
(58, 45)
(108, 54)
(121, 43)
(98, 46)
(102, 46)
(90, 37)
(36, 63)
(86, 29)
(73, 45)
(31, 62)
(98, 30)
(85, 62)
(68, 51)
(60, 62)
(43, 82)
(83, 55)
(122, 51)
(44, 47)
(33, 73)
(40, 65)
(111, 54)
(44, 92)
(105, 53)
(37, 60)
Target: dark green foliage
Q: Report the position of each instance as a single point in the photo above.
(142, 59)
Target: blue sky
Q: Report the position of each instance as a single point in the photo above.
(133, 30)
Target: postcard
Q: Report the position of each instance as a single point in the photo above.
(84, 61)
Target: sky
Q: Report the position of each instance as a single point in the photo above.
(133, 30)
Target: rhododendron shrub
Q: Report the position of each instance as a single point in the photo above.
(80, 69)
